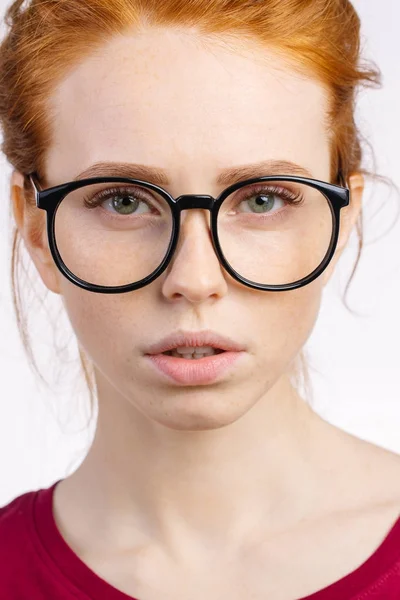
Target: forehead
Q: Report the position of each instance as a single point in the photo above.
(174, 100)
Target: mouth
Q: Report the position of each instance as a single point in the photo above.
(193, 353)
(194, 345)
(193, 367)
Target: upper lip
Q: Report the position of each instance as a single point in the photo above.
(194, 339)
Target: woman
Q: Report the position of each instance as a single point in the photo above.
(209, 476)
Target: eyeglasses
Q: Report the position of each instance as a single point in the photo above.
(114, 234)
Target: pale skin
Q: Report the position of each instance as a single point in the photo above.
(221, 490)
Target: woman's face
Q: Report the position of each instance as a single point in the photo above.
(170, 100)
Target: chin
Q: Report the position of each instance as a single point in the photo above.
(197, 420)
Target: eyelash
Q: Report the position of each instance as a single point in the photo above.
(291, 198)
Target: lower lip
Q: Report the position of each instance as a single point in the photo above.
(195, 371)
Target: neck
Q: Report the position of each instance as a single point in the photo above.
(215, 484)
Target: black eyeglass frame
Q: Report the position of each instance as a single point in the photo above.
(50, 198)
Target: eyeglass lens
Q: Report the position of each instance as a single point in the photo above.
(271, 233)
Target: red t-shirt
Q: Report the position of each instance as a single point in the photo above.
(36, 563)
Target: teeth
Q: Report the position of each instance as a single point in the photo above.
(192, 350)
(192, 353)
(193, 356)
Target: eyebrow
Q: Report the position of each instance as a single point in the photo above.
(226, 177)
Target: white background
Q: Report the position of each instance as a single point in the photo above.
(354, 358)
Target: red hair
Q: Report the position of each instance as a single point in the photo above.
(47, 38)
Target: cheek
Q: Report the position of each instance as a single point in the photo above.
(286, 320)
(93, 317)
(107, 326)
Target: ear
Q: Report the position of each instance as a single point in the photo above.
(31, 224)
(348, 217)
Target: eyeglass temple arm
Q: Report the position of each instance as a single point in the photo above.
(34, 181)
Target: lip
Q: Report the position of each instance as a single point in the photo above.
(198, 371)
(195, 339)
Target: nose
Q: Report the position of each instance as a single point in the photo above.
(194, 272)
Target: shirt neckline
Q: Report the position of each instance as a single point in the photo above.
(60, 555)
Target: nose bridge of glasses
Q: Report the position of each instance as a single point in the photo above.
(195, 201)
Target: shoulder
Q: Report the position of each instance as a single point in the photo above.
(11, 511)
(14, 523)
(17, 552)
(359, 476)
(376, 472)
(13, 508)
